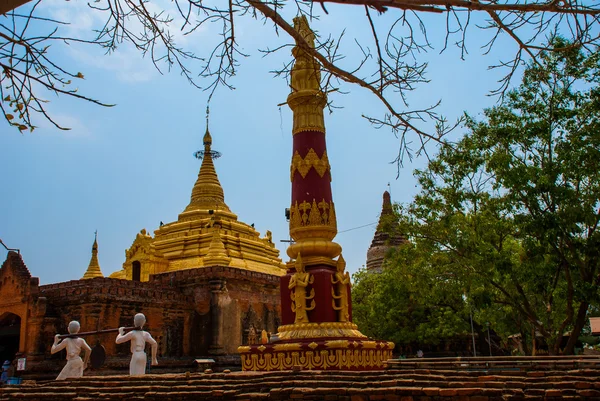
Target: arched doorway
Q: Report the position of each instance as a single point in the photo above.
(10, 335)
(136, 271)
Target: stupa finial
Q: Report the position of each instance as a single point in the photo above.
(207, 142)
(207, 193)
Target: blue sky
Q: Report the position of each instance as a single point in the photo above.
(129, 167)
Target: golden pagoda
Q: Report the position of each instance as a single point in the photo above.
(206, 234)
(93, 269)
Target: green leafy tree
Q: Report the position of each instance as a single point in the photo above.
(542, 148)
(406, 304)
(511, 212)
(427, 293)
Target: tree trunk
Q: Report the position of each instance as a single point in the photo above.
(577, 327)
(523, 345)
(554, 347)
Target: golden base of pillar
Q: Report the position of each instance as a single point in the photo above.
(317, 354)
(348, 354)
(317, 346)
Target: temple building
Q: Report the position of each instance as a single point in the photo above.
(207, 233)
(387, 236)
(205, 282)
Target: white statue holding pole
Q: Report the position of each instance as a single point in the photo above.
(75, 365)
(138, 339)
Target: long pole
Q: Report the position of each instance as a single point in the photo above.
(489, 340)
(91, 333)
(472, 333)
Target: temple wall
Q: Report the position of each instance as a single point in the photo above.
(244, 298)
(104, 303)
(191, 313)
(194, 312)
(249, 305)
(19, 296)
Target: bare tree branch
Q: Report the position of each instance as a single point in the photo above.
(391, 73)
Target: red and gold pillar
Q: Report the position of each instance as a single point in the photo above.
(312, 211)
(316, 308)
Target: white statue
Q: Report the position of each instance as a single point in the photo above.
(74, 366)
(138, 339)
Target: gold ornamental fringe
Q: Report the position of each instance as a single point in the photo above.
(339, 359)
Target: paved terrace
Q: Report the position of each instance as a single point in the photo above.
(398, 383)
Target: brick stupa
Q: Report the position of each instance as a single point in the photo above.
(316, 307)
(387, 236)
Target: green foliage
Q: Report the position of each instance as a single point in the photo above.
(402, 307)
(506, 223)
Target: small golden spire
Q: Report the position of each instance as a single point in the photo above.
(207, 193)
(93, 269)
(217, 255)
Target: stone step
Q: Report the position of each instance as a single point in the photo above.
(266, 386)
(199, 380)
(285, 376)
(332, 381)
(327, 385)
(318, 393)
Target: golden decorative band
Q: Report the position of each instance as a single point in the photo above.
(307, 106)
(306, 214)
(319, 330)
(287, 347)
(319, 251)
(321, 165)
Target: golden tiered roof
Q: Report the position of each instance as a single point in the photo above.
(205, 234)
(93, 269)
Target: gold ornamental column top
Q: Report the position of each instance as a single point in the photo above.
(307, 100)
(207, 193)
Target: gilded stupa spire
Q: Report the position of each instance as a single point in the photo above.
(93, 269)
(207, 193)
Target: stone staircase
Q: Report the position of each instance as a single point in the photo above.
(392, 384)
